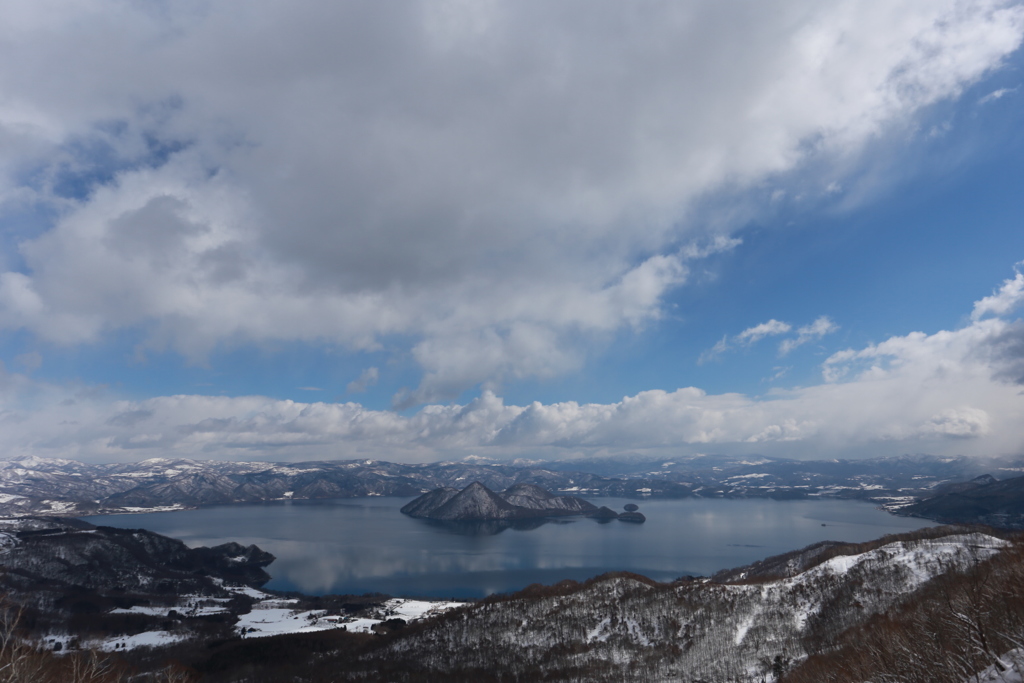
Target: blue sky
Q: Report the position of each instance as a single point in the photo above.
(443, 217)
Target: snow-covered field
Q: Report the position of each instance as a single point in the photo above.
(270, 616)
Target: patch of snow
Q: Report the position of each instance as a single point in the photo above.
(185, 608)
(634, 630)
(273, 617)
(1009, 670)
(138, 510)
(59, 505)
(743, 627)
(272, 621)
(599, 632)
(145, 639)
(252, 593)
(411, 610)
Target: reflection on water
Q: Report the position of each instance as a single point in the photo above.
(489, 528)
(366, 545)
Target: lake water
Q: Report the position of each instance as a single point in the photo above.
(366, 545)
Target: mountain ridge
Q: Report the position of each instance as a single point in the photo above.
(34, 486)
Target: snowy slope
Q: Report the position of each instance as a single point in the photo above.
(698, 629)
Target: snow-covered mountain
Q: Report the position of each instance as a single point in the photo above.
(41, 486)
(629, 628)
(477, 503)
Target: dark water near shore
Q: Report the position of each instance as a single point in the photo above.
(366, 545)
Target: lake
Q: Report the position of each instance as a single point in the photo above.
(366, 545)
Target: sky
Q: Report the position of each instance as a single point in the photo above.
(259, 230)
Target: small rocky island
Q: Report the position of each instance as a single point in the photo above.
(631, 514)
(606, 514)
(477, 503)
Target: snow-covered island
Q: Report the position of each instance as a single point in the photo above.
(477, 503)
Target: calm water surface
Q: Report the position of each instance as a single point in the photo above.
(365, 545)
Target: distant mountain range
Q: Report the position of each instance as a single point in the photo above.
(32, 486)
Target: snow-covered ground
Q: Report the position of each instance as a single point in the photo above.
(270, 616)
(720, 631)
(1010, 671)
(274, 617)
(147, 639)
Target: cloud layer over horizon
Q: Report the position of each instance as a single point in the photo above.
(958, 392)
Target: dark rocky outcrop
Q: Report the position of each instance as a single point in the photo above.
(634, 517)
(536, 498)
(422, 506)
(631, 514)
(603, 513)
(476, 502)
(236, 562)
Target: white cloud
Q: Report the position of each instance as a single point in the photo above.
(996, 95)
(816, 330)
(236, 172)
(951, 392)
(720, 347)
(1004, 300)
(758, 332)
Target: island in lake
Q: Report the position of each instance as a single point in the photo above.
(477, 503)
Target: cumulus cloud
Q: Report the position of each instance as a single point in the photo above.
(816, 330)
(237, 172)
(758, 332)
(1004, 300)
(950, 392)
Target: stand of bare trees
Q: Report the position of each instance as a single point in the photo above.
(959, 625)
(23, 660)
